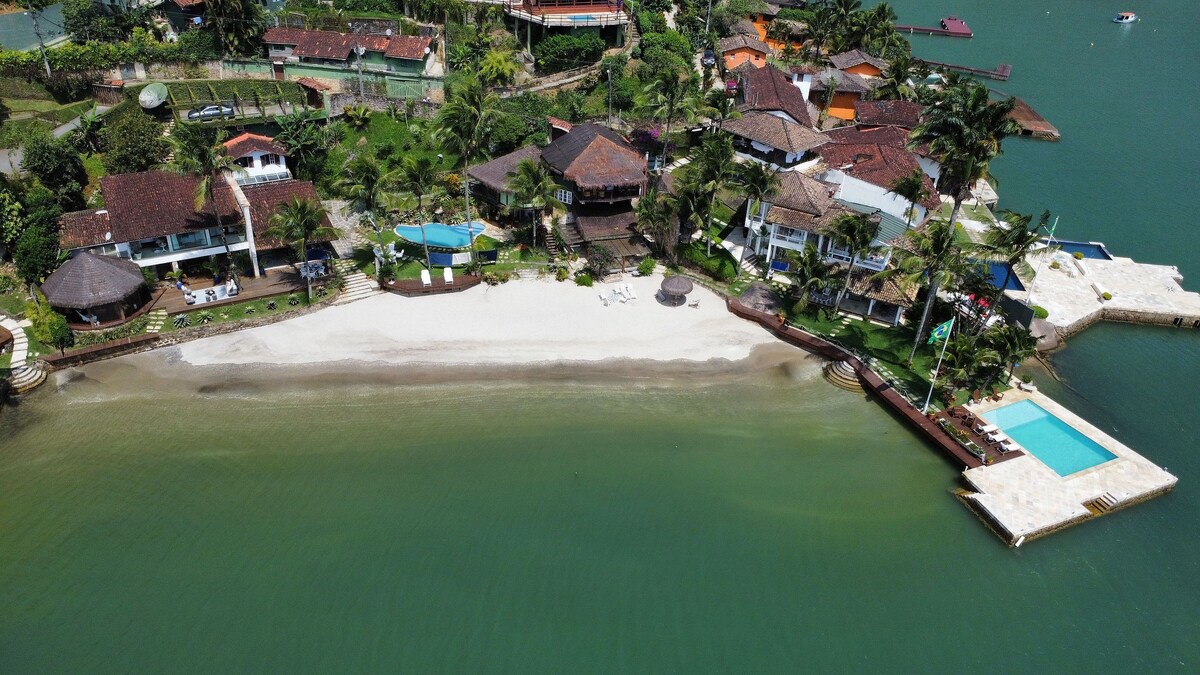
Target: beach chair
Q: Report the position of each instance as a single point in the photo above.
(448, 276)
(984, 428)
(629, 292)
(603, 298)
(1007, 446)
(425, 280)
(619, 295)
(995, 437)
(997, 394)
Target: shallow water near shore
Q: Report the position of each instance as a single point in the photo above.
(754, 524)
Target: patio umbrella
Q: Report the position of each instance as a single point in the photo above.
(677, 287)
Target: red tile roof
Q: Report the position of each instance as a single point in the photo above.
(408, 47)
(188, 4)
(266, 198)
(905, 114)
(893, 137)
(856, 57)
(145, 205)
(769, 88)
(315, 85)
(776, 132)
(878, 165)
(729, 44)
(284, 36)
(246, 143)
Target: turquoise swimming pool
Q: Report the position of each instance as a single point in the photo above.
(440, 234)
(1057, 444)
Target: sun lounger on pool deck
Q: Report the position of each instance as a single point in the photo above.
(995, 437)
(425, 280)
(447, 275)
(1007, 446)
(986, 428)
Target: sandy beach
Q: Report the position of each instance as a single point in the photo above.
(520, 322)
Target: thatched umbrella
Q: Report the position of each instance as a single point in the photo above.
(95, 285)
(676, 287)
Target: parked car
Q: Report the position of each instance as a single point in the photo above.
(211, 112)
(709, 59)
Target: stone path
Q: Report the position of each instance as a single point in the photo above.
(24, 376)
(157, 318)
(735, 243)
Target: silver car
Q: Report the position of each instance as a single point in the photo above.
(211, 112)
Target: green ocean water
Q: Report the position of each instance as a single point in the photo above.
(758, 523)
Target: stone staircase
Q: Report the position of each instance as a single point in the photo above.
(357, 286)
(841, 374)
(24, 376)
(1102, 504)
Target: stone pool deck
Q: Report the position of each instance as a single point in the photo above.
(1140, 293)
(1023, 498)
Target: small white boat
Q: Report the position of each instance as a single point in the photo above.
(1125, 17)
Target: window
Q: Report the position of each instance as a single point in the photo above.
(270, 160)
(244, 162)
(564, 196)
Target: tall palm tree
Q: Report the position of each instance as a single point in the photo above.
(417, 175)
(720, 107)
(965, 360)
(204, 156)
(534, 188)
(856, 233)
(657, 214)
(759, 181)
(912, 188)
(964, 132)
(716, 171)
(364, 180)
(896, 81)
(821, 27)
(810, 274)
(463, 124)
(669, 97)
(1013, 239)
(1012, 343)
(298, 222)
(931, 255)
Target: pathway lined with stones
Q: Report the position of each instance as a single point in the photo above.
(24, 376)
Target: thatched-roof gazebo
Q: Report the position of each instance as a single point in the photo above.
(91, 290)
(675, 288)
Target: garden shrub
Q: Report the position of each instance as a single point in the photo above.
(1040, 312)
(1077, 255)
(583, 279)
(135, 327)
(1106, 295)
(561, 274)
(719, 266)
(562, 52)
(646, 267)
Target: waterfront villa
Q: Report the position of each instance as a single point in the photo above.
(151, 219)
(607, 18)
(801, 214)
(400, 54)
(848, 90)
(737, 50)
(599, 174)
(864, 173)
(858, 62)
(774, 139)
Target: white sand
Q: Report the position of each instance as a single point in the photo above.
(531, 321)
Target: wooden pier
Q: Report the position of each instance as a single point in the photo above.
(952, 26)
(1002, 71)
(1033, 124)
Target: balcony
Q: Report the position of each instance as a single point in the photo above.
(615, 194)
(171, 245)
(874, 262)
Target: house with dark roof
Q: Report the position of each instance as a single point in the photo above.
(403, 54)
(773, 139)
(801, 214)
(903, 114)
(741, 49)
(151, 217)
(858, 62)
(888, 136)
(599, 174)
(770, 90)
(865, 174)
(490, 185)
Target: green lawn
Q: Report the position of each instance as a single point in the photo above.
(245, 310)
(390, 140)
(21, 88)
(12, 303)
(94, 165)
(969, 211)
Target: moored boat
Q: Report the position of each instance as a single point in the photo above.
(1125, 17)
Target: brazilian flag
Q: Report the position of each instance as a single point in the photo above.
(940, 333)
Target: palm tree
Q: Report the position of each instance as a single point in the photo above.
(364, 181)
(821, 27)
(895, 83)
(965, 360)
(1012, 343)
(669, 97)
(298, 222)
(856, 233)
(716, 171)
(534, 188)
(720, 107)
(657, 215)
(463, 124)
(357, 116)
(964, 132)
(911, 188)
(759, 181)
(1014, 242)
(417, 175)
(810, 274)
(195, 155)
(932, 255)
(498, 67)
(87, 134)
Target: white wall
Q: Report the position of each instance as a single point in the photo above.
(852, 189)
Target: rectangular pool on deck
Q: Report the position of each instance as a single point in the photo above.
(1057, 444)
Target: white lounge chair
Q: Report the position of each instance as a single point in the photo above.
(986, 428)
(425, 280)
(1007, 446)
(994, 437)
(629, 292)
(603, 298)
(447, 276)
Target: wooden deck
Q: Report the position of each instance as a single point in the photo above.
(1033, 124)
(952, 26)
(273, 282)
(1002, 71)
(413, 287)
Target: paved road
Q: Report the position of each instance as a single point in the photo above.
(10, 159)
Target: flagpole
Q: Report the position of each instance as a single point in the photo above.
(1049, 243)
(937, 370)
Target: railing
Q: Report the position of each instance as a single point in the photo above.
(248, 178)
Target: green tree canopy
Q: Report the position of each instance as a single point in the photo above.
(132, 143)
(56, 164)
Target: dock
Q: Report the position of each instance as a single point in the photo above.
(1002, 72)
(1073, 292)
(1033, 124)
(951, 26)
